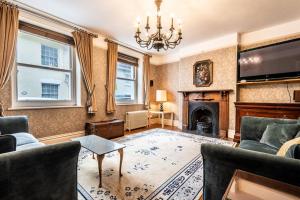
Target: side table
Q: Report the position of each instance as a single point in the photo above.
(161, 115)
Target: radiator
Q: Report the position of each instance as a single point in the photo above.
(136, 119)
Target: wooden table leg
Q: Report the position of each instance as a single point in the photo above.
(162, 120)
(100, 159)
(121, 161)
(172, 118)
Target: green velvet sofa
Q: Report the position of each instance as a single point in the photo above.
(34, 170)
(220, 162)
(17, 126)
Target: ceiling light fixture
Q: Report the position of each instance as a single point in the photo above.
(159, 40)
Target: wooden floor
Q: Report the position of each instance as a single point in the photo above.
(152, 127)
(64, 138)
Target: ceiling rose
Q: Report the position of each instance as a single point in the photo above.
(158, 40)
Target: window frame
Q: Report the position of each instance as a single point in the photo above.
(126, 59)
(57, 37)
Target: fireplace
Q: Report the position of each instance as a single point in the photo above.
(206, 112)
(203, 117)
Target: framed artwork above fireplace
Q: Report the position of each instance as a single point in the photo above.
(203, 73)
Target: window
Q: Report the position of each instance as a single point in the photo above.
(49, 56)
(45, 72)
(126, 83)
(50, 91)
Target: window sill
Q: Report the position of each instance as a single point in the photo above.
(43, 107)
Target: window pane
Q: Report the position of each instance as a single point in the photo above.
(43, 84)
(125, 90)
(49, 56)
(125, 71)
(50, 90)
(36, 50)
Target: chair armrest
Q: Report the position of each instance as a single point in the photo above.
(13, 124)
(220, 162)
(7, 143)
(48, 172)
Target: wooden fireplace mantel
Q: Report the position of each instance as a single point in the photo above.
(221, 96)
(187, 92)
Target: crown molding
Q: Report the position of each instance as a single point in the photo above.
(269, 33)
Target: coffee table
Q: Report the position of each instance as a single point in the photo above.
(100, 147)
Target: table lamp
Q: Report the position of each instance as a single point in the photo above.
(161, 97)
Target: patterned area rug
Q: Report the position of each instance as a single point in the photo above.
(158, 164)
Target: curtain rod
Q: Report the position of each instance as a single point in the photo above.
(48, 16)
(126, 46)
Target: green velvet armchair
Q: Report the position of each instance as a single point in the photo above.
(220, 162)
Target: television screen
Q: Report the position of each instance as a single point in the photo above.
(274, 61)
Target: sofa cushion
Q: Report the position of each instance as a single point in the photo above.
(24, 138)
(293, 152)
(257, 146)
(276, 134)
(286, 146)
(30, 146)
(298, 134)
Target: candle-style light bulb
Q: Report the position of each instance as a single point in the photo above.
(138, 19)
(172, 21)
(179, 25)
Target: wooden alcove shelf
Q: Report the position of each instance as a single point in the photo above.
(295, 80)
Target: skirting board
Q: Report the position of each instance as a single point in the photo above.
(61, 137)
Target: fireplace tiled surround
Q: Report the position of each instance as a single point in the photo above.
(206, 112)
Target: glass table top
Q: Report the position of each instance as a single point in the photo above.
(98, 145)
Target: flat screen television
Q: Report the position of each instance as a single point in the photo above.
(272, 62)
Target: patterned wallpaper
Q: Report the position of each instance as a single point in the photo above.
(166, 77)
(48, 122)
(179, 76)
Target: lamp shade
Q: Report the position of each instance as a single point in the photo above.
(161, 95)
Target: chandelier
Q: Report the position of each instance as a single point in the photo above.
(159, 40)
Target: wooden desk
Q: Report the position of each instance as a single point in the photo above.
(248, 186)
(161, 115)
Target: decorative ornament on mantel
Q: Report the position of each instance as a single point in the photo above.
(159, 40)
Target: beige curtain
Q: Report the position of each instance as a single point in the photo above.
(84, 47)
(112, 59)
(146, 79)
(9, 21)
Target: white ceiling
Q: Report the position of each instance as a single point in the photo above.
(202, 19)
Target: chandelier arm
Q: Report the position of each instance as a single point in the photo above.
(175, 41)
(141, 40)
